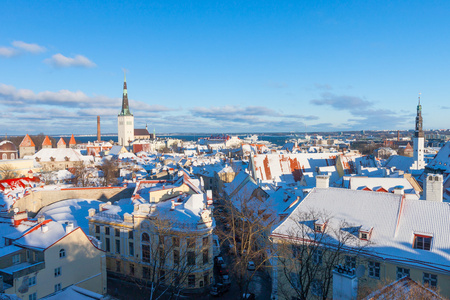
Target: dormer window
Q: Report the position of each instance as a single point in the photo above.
(422, 241)
(319, 225)
(365, 233)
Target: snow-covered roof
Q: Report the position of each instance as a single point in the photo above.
(376, 183)
(399, 162)
(59, 154)
(394, 221)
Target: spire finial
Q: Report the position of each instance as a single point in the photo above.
(419, 97)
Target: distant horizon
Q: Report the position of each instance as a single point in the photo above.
(224, 66)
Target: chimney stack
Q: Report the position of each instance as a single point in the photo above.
(434, 187)
(322, 181)
(98, 129)
(345, 283)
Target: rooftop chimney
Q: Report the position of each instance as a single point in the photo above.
(399, 190)
(434, 187)
(345, 283)
(44, 227)
(19, 217)
(69, 227)
(98, 129)
(322, 181)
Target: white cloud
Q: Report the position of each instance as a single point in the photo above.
(32, 48)
(61, 61)
(8, 52)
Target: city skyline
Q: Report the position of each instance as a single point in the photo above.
(223, 67)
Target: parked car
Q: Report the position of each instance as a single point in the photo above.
(219, 262)
(225, 279)
(218, 289)
(251, 266)
(249, 296)
(216, 245)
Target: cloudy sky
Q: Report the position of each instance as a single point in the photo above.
(223, 66)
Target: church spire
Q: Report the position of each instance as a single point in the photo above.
(125, 107)
(419, 122)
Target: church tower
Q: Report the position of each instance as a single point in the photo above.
(125, 119)
(418, 154)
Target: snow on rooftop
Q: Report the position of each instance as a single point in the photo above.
(383, 211)
(72, 210)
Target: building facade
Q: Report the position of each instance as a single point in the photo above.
(125, 120)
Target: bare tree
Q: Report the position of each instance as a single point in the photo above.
(110, 169)
(82, 174)
(7, 172)
(309, 251)
(248, 219)
(173, 253)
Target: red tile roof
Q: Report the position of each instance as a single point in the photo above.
(27, 142)
(47, 141)
(72, 140)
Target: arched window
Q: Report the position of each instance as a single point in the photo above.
(13, 156)
(4, 156)
(62, 253)
(145, 237)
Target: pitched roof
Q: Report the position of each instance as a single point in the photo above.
(141, 132)
(61, 142)
(395, 221)
(72, 140)
(27, 142)
(47, 141)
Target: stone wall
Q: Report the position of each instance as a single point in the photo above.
(35, 201)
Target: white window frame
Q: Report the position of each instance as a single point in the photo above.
(57, 287)
(57, 271)
(402, 272)
(317, 256)
(16, 259)
(374, 268)
(32, 280)
(430, 279)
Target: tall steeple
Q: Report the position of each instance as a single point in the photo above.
(419, 122)
(125, 107)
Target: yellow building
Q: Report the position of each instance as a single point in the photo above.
(47, 257)
(162, 238)
(382, 236)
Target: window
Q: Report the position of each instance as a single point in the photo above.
(146, 253)
(162, 256)
(131, 248)
(108, 245)
(374, 269)
(162, 276)
(176, 257)
(130, 234)
(191, 258)
(145, 237)
(62, 253)
(205, 256)
(117, 232)
(131, 269)
(146, 273)
(363, 236)
(191, 281)
(16, 259)
(118, 266)
(31, 281)
(316, 287)
(205, 278)
(32, 296)
(176, 279)
(176, 241)
(350, 261)
(97, 229)
(57, 287)
(318, 228)
(118, 246)
(191, 242)
(402, 272)
(429, 280)
(107, 230)
(317, 257)
(422, 242)
(205, 241)
(58, 272)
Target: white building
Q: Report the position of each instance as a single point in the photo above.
(125, 120)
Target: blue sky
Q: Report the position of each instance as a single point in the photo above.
(223, 66)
